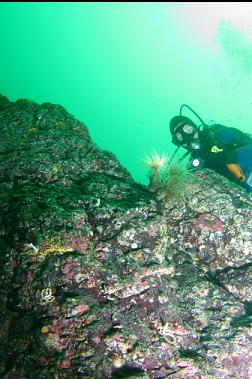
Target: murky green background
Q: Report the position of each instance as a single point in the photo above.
(125, 68)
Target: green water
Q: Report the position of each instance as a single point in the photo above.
(125, 68)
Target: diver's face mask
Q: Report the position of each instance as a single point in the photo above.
(186, 135)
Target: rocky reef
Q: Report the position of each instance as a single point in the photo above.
(101, 280)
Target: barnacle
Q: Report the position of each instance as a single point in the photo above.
(30, 249)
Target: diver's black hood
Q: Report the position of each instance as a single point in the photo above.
(178, 120)
(177, 128)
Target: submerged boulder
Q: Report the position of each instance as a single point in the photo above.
(99, 278)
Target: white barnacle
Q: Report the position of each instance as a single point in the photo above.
(98, 202)
(134, 246)
(31, 246)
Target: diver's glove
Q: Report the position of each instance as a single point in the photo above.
(236, 172)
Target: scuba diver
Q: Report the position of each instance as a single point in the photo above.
(226, 150)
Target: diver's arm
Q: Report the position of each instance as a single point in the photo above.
(231, 137)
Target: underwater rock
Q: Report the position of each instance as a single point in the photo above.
(99, 278)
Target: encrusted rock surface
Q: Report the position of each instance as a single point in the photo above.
(99, 279)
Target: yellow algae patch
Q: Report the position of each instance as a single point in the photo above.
(49, 246)
(56, 249)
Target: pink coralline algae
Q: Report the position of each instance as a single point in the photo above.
(70, 267)
(236, 360)
(189, 370)
(209, 222)
(76, 242)
(64, 364)
(82, 308)
(14, 263)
